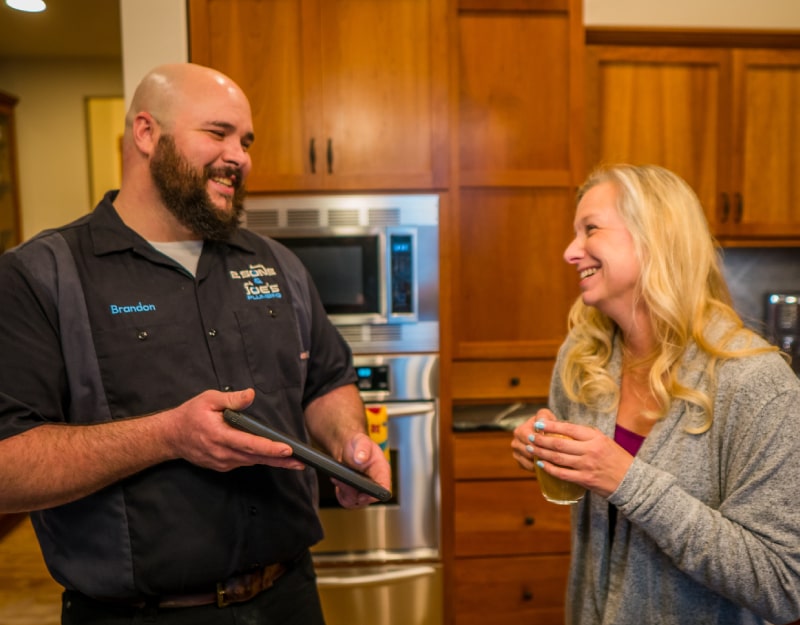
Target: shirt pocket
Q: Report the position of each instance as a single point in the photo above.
(272, 348)
(149, 367)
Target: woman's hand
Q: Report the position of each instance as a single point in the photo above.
(590, 458)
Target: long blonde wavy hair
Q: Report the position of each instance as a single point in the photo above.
(682, 285)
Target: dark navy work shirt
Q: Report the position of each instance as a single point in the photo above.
(97, 325)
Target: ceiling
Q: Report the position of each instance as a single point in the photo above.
(67, 29)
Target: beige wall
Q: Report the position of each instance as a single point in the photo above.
(740, 14)
(52, 147)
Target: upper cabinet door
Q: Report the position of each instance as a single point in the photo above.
(263, 46)
(384, 93)
(515, 97)
(346, 94)
(765, 194)
(664, 106)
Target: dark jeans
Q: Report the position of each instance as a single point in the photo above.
(293, 600)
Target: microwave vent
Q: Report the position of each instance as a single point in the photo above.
(262, 220)
(345, 217)
(384, 216)
(303, 218)
(366, 334)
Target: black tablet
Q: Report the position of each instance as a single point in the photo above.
(309, 455)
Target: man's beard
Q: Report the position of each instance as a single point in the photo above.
(183, 191)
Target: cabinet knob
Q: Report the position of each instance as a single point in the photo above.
(514, 381)
(312, 156)
(529, 520)
(330, 156)
(726, 209)
(527, 595)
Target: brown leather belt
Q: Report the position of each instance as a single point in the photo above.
(236, 589)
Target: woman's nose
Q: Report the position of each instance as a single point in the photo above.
(574, 251)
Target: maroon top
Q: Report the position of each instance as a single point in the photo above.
(629, 441)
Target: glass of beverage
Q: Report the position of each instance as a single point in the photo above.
(556, 490)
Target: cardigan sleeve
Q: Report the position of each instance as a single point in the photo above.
(745, 544)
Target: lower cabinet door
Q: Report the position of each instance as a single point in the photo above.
(510, 591)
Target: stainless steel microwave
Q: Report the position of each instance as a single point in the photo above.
(373, 258)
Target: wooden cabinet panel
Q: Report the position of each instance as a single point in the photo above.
(512, 285)
(346, 94)
(485, 456)
(506, 379)
(510, 591)
(725, 119)
(262, 46)
(508, 517)
(514, 100)
(766, 171)
(661, 106)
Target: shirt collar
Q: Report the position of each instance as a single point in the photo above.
(110, 234)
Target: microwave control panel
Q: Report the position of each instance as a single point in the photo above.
(401, 259)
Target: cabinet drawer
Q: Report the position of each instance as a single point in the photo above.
(510, 591)
(508, 517)
(486, 455)
(503, 379)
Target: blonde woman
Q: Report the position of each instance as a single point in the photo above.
(685, 424)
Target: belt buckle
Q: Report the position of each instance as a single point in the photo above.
(221, 600)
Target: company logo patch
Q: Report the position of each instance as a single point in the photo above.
(136, 308)
(256, 284)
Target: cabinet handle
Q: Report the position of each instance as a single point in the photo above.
(739, 208)
(529, 520)
(527, 595)
(514, 381)
(726, 209)
(330, 156)
(312, 156)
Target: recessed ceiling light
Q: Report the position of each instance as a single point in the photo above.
(29, 6)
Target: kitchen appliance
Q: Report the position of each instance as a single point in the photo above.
(382, 565)
(374, 260)
(782, 320)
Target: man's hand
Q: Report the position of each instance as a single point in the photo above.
(199, 435)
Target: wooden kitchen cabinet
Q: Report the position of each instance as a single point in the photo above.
(516, 152)
(725, 119)
(511, 545)
(346, 94)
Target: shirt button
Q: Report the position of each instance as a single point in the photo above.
(212, 332)
(227, 388)
(253, 511)
(142, 335)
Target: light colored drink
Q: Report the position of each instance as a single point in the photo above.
(556, 490)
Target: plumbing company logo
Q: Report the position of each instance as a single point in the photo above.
(255, 283)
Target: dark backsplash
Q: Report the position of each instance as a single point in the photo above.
(752, 273)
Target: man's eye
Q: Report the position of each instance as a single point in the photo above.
(217, 133)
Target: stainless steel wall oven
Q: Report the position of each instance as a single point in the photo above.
(375, 262)
(382, 565)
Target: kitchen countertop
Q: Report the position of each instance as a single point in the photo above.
(488, 417)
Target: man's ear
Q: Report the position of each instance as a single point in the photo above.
(146, 132)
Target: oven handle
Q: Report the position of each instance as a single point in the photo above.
(335, 581)
(405, 409)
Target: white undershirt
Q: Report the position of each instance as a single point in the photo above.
(186, 253)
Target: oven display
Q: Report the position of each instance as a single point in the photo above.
(373, 378)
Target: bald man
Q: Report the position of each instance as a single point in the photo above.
(126, 335)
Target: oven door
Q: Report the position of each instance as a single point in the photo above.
(409, 594)
(407, 526)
